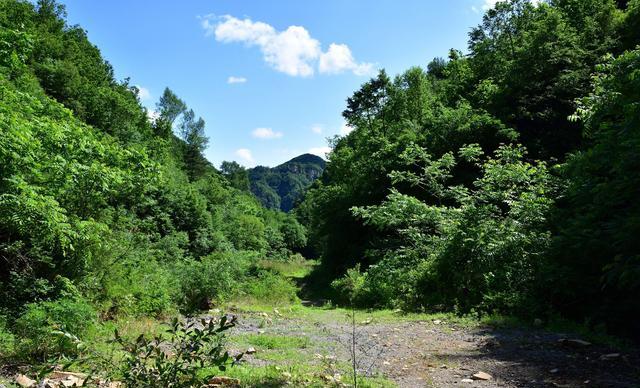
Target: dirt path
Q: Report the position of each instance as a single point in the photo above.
(434, 353)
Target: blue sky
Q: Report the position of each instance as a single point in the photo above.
(270, 78)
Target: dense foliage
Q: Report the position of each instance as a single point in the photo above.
(105, 212)
(283, 186)
(504, 180)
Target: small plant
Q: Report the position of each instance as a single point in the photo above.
(181, 358)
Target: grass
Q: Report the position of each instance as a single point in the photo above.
(330, 314)
(297, 269)
(296, 376)
(267, 341)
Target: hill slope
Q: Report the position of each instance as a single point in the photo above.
(281, 186)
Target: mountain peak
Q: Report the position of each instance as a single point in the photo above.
(282, 186)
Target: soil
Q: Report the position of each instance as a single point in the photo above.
(441, 354)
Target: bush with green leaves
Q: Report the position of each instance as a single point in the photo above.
(7, 339)
(269, 287)
(184, 357)
(475, 248)
(52, 329)
(213, 278)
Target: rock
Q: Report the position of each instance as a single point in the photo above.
(466, 381)
(537, 322)
(224, 381)
(386, 363)
(437, 322)
(554, 370)
(261, 331)
(251, 350)
(574, 342)
(69, 379)
(24, 381)
(482, 376)
(610, 356)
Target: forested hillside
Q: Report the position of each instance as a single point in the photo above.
(281, 187)
(103, 211)
(498, 186)
(505, 180)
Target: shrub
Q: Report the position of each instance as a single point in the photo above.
(53, 327)
(270, 287)
(7, 339)
(215, 278)
(193, 347)
(350, 288)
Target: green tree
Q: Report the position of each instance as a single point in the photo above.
(597, 252)
(170, 107)
(192, 132)
(237, 175)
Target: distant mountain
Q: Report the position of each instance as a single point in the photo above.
(281, 186)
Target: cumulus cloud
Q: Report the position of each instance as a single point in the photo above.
(345, 129)
(339, 59)
(236, 80)
(266, 133)
(320, 151)
(292, 51)
(143, 93)
(152, 115)
(245, 155)
(317, 128)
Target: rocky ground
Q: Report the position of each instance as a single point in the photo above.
(437, 353)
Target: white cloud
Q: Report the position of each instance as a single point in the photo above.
(317, 128)
(320, 151)
(152, 115)
(245, 154)
(292, 51)
(236, 80)
(266, 133)
(339, 59)
(345, 129)
(143, 93)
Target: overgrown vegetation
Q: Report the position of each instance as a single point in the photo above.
(500, 181)
(104, 212)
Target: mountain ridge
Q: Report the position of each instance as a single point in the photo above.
(280, 187)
